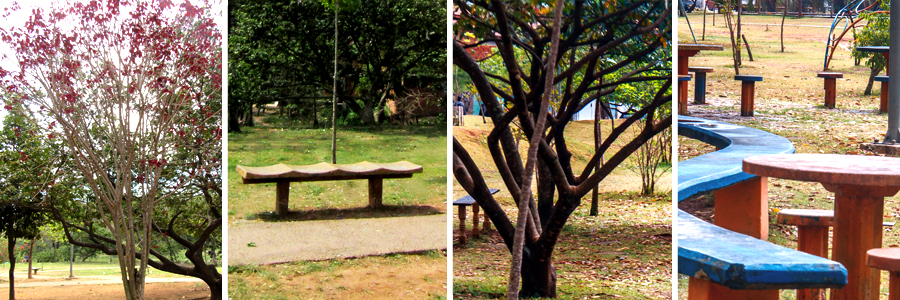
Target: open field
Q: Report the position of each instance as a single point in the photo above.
(789, 103)
(623, 253)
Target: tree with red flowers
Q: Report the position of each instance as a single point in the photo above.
(123, 80)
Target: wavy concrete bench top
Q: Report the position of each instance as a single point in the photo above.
(740, 262)
(713, 171)
(282, 172)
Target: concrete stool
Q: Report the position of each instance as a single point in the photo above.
(748, 93)
(884, 92)
(682, 94)
(887, 259)
(812, 237)
(830, 86)
(700, 83)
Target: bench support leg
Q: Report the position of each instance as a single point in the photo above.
(700, 87)
(476, 230)
(830, 92)
(462, 224)
(812, 240)
(884, 97)
(748, 90)
(282, 190)
(487, 223)
(744, 208)
(702, 289)
(894, 289)
(375, 188)
(682, 98)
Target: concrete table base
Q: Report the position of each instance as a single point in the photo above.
(860, 184)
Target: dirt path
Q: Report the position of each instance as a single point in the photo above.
(259, 243)
(88, 280)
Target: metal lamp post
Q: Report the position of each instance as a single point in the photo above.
(893, 133)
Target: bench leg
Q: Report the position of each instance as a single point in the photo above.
(476, 231)
(747, 98)
(282, 190)
(682, 98)
(812, 240)
(884, 97)
(830, 91)
(744, 208)
(462, 224)
(375, 188)
(894, 291)
(699, 87)
(487, 223)
(702, 289)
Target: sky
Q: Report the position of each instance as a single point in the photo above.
(20, 17)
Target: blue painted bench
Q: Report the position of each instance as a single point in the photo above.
(725, 264)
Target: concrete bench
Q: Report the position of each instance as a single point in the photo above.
(700, 83)
(35, 270)
(884, 92)
(682, 94)
(283, 175)
(721, 258)
(748, 93)
(830, 86)
(741, 262)
(469, 201)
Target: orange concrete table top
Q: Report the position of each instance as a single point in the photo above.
(699, 47)
(828, 168)
(885, 259)
(860, 184)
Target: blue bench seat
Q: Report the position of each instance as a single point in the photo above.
(742, 262)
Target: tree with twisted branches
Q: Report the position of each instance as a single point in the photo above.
(623, 43)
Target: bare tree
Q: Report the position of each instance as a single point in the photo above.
(633, 37)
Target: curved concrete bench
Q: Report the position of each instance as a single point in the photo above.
(716, 170)
(731, 259)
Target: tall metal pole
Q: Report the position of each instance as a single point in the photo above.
(71, 259)
(893, 133)
(334, 89)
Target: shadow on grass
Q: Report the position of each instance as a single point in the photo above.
(386, 211)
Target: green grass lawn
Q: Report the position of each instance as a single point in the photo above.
(789, 103)
(424, 193)
(623, 253)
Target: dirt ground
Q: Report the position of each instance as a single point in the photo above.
(390, 277)
(160, 291)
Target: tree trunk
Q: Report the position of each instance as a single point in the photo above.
(11, 247)
(30, 257)
(872, 74)
(538, 276)
(782, 25)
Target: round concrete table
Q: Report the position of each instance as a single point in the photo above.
(685, 51)
(860, 184)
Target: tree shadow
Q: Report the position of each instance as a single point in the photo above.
(387, 211)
